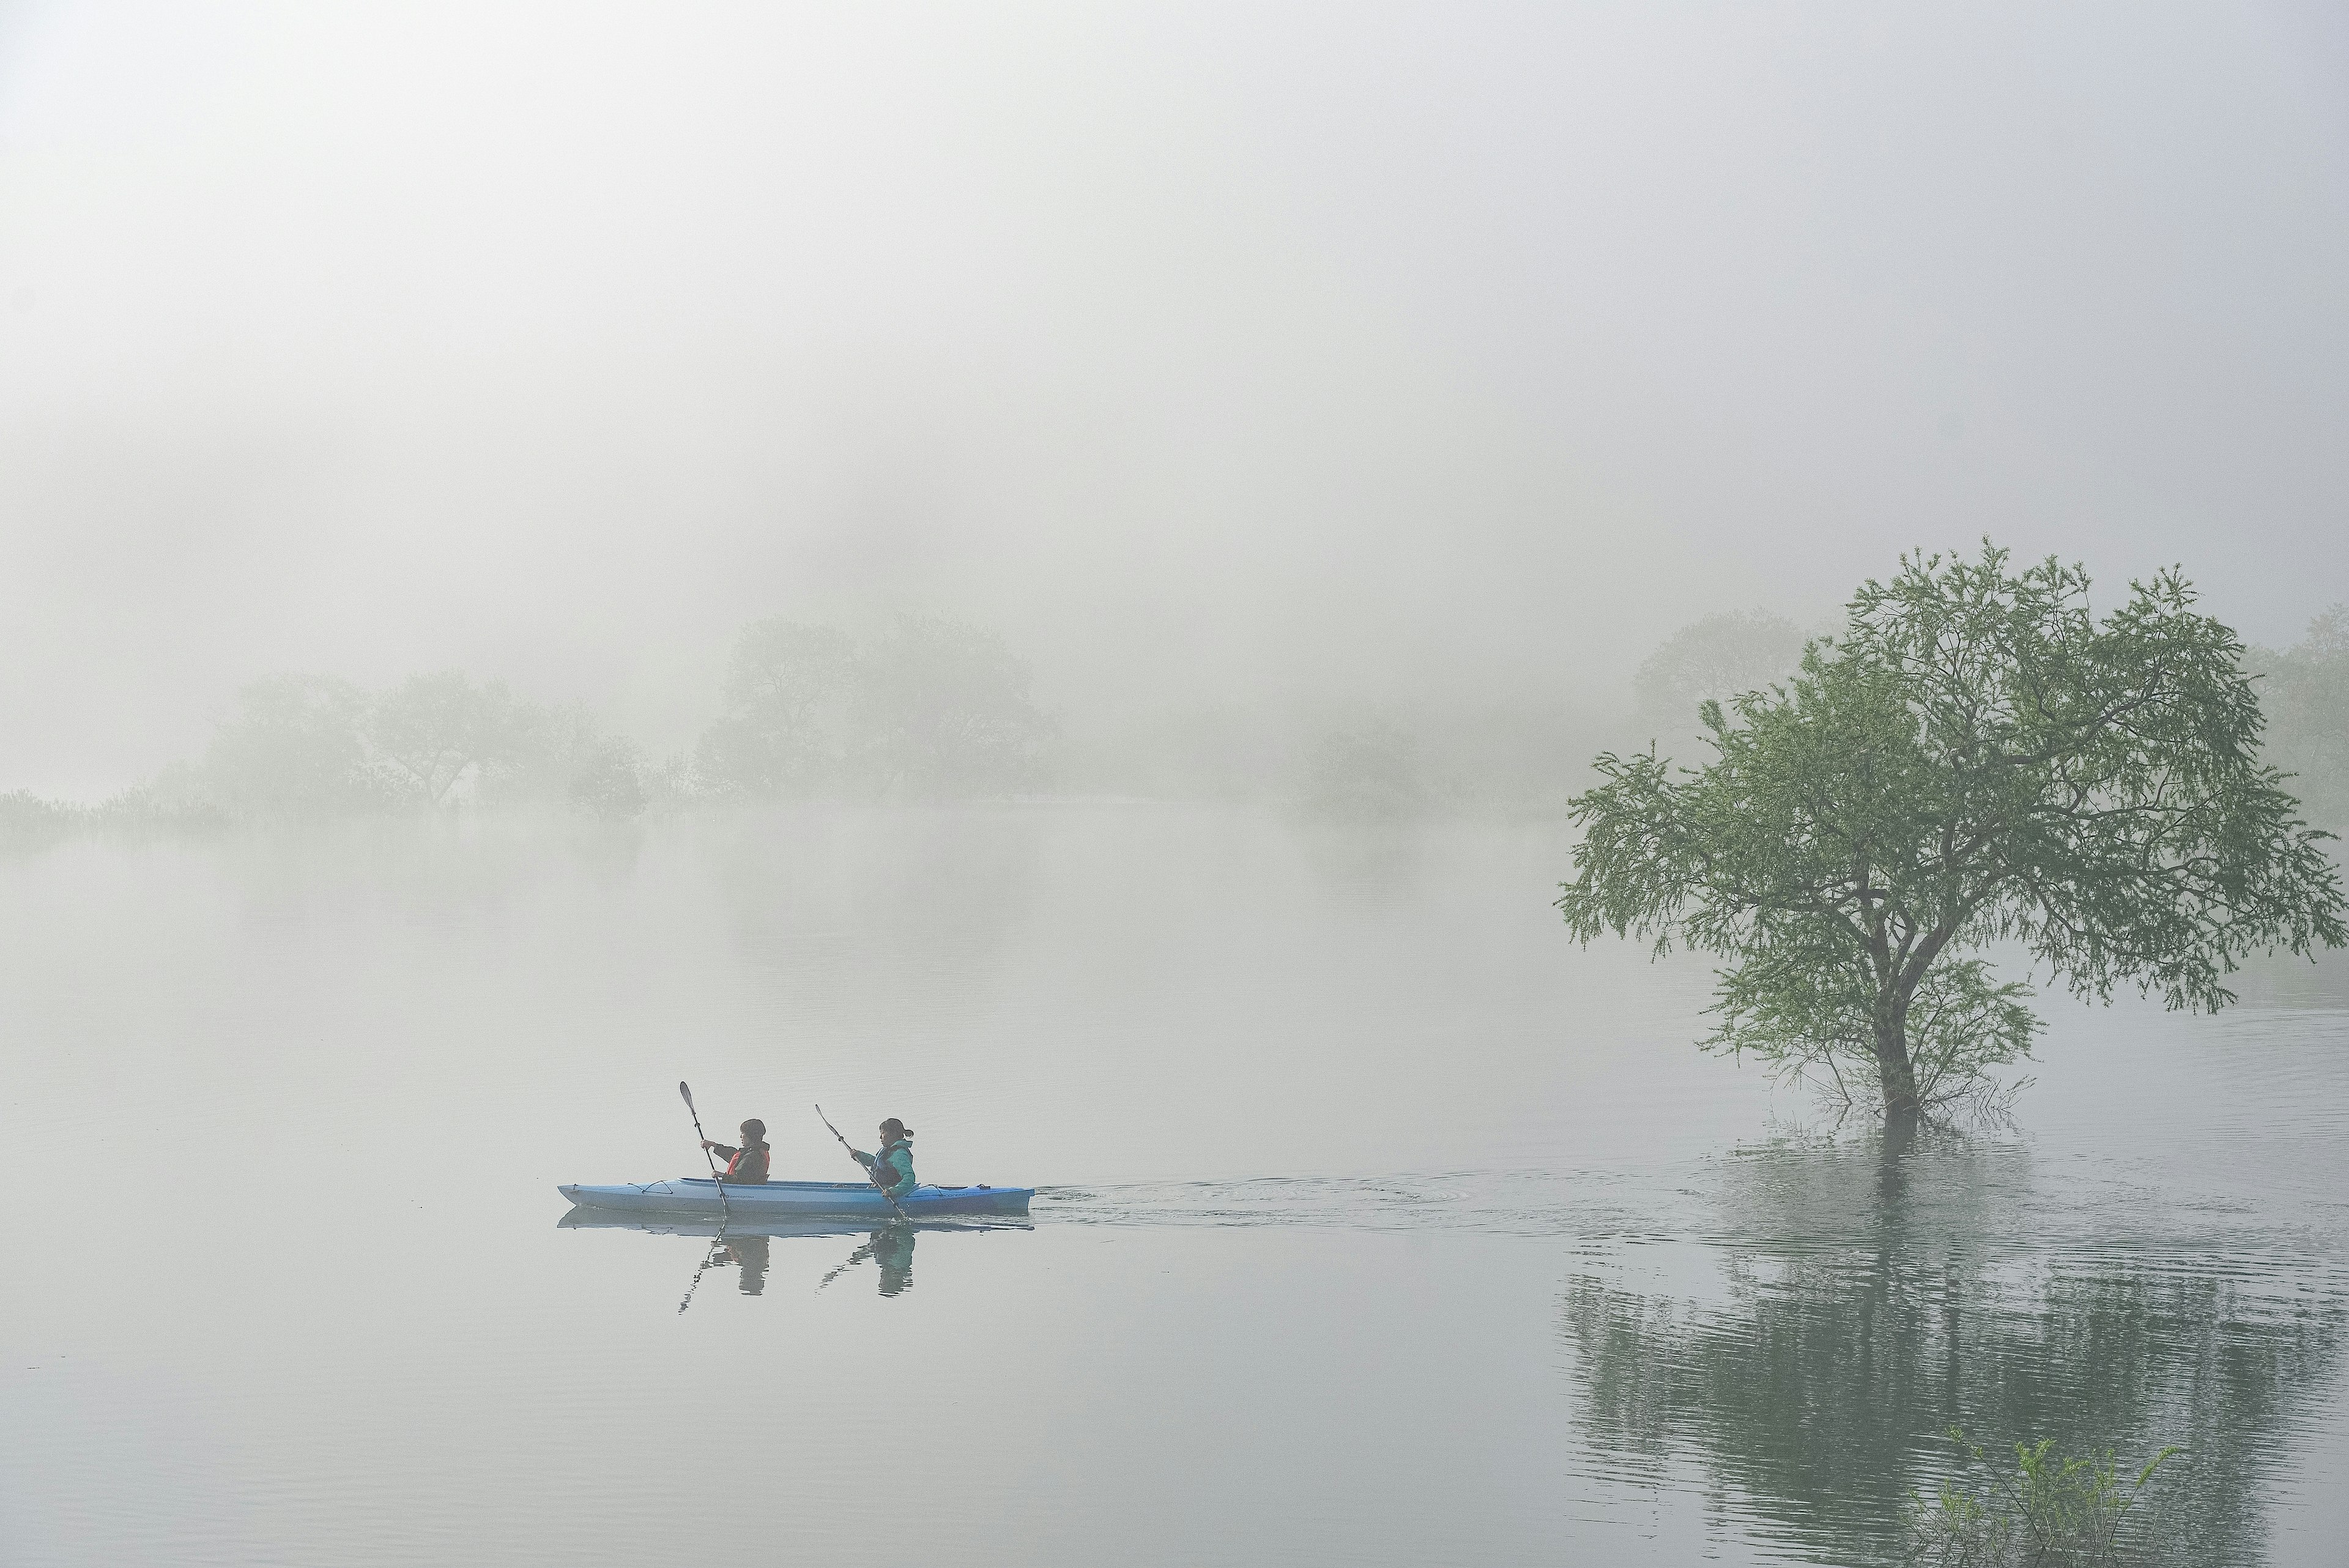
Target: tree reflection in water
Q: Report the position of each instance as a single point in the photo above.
(1876, 1296)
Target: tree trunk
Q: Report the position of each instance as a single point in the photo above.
(1893, 1066)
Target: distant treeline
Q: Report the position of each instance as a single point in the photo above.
(311, 747)
(929, 708)
(1394, 767)
(2304, 695)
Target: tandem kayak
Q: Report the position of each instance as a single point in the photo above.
(845, 1199)
(782, 1226)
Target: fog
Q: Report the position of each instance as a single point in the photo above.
(1048, 573)
(1218, 358)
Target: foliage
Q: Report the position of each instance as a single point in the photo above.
(28, 822)
(788, 690)
(295, 747)
(931, 707)
(941, 709)
(2056, 1510)
(1807, 1015)
(2304, 692)
(1975, 760)
(1713, 661)
(557, 756)
(606, 781)
(310, 748)
(431, 732)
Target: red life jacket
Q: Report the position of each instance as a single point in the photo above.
(738, 1170)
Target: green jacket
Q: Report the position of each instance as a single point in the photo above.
(893, 1168)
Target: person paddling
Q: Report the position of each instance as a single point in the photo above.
(749, 1163)
(893, 1168)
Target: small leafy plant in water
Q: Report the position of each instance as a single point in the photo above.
(2056, 1510)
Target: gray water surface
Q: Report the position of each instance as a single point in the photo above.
(1379, 1224)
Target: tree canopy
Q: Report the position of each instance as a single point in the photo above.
(1713, 660)
(303, 746)
(1976, 759)
(931, 707)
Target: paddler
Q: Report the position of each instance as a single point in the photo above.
(892, 1168)
(747, 1163)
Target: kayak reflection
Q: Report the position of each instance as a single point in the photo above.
(747, 1247)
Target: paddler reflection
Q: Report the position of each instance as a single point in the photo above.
(888, 1248)
(892, 1248)
(749, 1253)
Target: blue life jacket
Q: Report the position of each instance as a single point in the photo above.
(895, 1166)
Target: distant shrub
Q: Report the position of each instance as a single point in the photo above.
(607, 783)
(28, 822)
(1375, 772)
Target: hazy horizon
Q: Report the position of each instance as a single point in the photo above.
(1210, 355)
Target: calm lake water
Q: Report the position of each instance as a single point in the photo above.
(1382, 1224)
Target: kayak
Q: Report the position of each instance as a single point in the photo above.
(776, 1225)
(846, 1199)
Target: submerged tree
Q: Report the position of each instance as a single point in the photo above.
(1976, 759)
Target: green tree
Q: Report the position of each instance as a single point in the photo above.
(1976, 759)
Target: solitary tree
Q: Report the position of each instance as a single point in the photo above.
(1975, 760)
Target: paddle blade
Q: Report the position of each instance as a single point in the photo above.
(687, 1090)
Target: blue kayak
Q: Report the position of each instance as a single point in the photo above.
(846, 1199)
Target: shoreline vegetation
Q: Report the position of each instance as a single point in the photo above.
(930, 709)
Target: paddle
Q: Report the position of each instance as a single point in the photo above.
(707, 1257)
(870, 1173)
(725, 1214)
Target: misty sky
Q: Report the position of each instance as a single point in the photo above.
(1213, 353)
